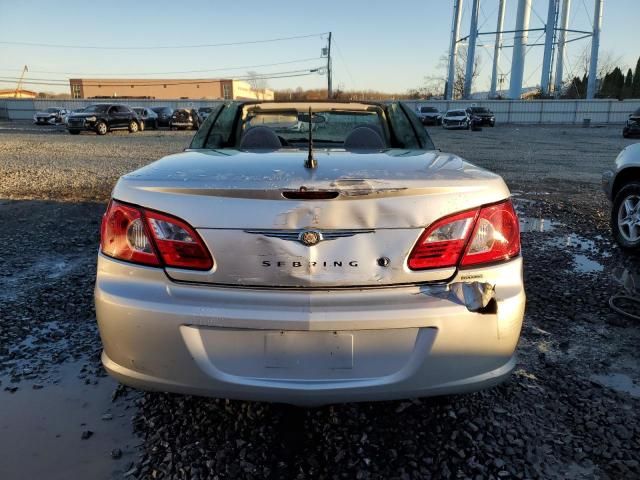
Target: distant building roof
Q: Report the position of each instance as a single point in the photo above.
(13, 93)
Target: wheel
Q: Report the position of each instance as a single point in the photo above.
(467, 126)
(492, 124)
(155, 125)
(625, 133)
(625, 217)
(142, 126)
(74, 132)
(170, 126)
(133, 126)
(101, 128)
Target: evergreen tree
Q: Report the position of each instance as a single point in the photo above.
(635, 88)
(628, 85)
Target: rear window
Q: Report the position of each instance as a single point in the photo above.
(456, 113)
(428, 110)
(330, 128)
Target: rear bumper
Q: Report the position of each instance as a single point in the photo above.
(303, 347)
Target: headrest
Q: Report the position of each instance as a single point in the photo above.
(260, 138)
(364, 138)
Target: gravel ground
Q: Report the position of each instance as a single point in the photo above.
(571, 410)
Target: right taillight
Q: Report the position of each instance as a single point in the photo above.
(151, 238)
(480, 236)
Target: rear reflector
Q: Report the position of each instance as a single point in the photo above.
(480, 236)
(147, 237)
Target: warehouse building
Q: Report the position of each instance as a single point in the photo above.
(196, 89)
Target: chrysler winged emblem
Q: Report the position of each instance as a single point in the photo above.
(310, 237)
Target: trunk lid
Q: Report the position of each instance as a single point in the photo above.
(376, 206)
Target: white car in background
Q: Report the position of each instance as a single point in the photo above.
(51, 116)
(345, 263)
(458, 118)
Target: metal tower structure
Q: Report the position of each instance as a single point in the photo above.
(453, 49)
(497, 49)
(556, 29)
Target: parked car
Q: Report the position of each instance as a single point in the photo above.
(148, 118)
(50, 116)
(632, 127)
(456, 119)
(482, 115)
(102, 118)
(622, 187)
(260, 265)
(204, 112)
(429, 115)
(184, 118)
(164, 115)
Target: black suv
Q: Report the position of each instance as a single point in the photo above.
(102, 118)
(482, 116)
(632, 127)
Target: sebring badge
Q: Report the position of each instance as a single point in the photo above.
(309, 237)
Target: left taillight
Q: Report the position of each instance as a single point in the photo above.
(151, 238)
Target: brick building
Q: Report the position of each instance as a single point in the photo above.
(196, 89)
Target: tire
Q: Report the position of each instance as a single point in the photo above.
(468, 126)
(74, 132)
(625, 133)
(101, 128)
(155, 125)
(170, 127)
(626, 206)
(142, 126)
(134, 126)
(492, 124)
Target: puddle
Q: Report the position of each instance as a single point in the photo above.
(584, 264)
(572, 240)
(629, 280)
(45, 268)
(533, 224)
(41, 428)
(618, 382)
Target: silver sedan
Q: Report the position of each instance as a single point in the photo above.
(349, 263)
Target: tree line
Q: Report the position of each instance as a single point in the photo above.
(614, 84)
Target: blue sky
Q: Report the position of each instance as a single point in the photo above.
(379, 45)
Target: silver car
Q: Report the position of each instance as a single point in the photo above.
(349, 263)
(622, 187)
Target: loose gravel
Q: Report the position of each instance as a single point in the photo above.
(563, 414)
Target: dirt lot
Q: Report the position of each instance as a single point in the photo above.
(571, 410)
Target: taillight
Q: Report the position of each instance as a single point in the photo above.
(123, 235)
(484, 235)
(495, 237)
(143, 236)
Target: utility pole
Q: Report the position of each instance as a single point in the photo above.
(329, 86)
(550, 29)
(471, 49)
(19, 86)
(497, 49)
(595, 46)
(453, 49)
(562, 40)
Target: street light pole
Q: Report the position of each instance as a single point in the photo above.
(329, 86)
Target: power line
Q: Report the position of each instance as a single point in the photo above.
(302, 60)
(274, 75)
(163, 47)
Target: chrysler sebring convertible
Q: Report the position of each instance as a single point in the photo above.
(350, 263)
